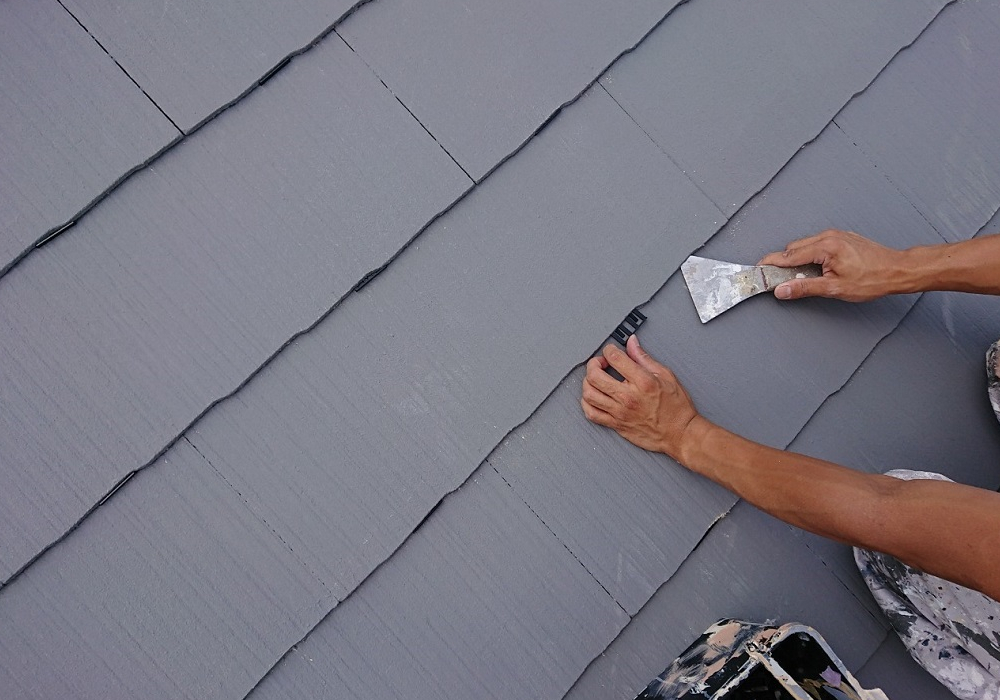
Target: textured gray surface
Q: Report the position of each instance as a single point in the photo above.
(194, 57)
(893, 670)
(198, 575)
(72, 123)
(348, 439)
(918, 402)
(482, 76)
(748, 567)
(629, 516)
(482, 602)
(632, 518)
(172, 589)
(732, 89)
(930, 123)
(172, 291)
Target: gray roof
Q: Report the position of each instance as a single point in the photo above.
(238, 462)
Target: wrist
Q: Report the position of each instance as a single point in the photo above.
(919, 269)
(905, 271)
(691, 442)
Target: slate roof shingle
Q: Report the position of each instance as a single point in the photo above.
(393, 488)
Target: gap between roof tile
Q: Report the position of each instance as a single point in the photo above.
(120, 66)
(181, 134)
(260, 518)
(62, 228)
(815, 554)
(886, 177)
(404, 106)
(558, 539)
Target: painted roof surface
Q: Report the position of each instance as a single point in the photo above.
(290, 359)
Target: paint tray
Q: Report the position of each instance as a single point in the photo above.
(736, 660)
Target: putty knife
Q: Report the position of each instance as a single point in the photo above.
(716, 286)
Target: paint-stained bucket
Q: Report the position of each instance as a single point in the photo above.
(736, 660)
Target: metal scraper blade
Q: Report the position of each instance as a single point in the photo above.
(717, 286)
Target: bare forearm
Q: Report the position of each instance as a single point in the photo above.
(967, 266)
(940, 527)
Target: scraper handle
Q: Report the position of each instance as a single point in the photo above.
(774, 275)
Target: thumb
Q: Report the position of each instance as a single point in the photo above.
(640, 356)
(809, 287)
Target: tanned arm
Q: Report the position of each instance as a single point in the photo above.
(943, 528)
(857, 269)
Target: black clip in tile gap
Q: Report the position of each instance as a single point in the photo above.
(61, 229)
(274, 71)
(367, 278)
(627, 327)
(112, 492)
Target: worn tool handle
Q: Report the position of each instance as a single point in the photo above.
(774, 275)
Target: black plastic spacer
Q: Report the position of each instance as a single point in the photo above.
(274, 71)
(367, 278)
(62, 229)
(627, 327)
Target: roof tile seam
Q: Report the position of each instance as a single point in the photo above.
(596, 80)
(690, 554)
(902, 49)
(181, 134)
(885, 176)
(404, 105)
(717, 520)
(430, 513)
(294, 648)
(558, 539)
(121, 67)
(882, 620)
(271, 358)
(357, 287)
(263, 521)
(664, 151)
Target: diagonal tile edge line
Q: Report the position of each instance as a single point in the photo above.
(809, 141)
(871, 161)
(697, 546)
(182, 135)
(54, 231)
(797, 433)
(260, 518)
(671, 158)
(280, 64)
(364, 280)
(120, 66)
(267, 361)
(453, 490)
(558, 539)
(587, 87)
(856, 370)
(404, 106)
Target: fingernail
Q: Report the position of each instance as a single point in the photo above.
(783, 291)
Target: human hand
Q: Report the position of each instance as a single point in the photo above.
(854, 268)
(650, 408)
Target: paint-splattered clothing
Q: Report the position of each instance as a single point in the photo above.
(992, 357)
(950, 630)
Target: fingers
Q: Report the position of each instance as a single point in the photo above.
(601, 380)
(796, 250)
(597, 398)
(625, 365)
(818, 252)
(596, 415)
(643, 358)
(809, 287)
